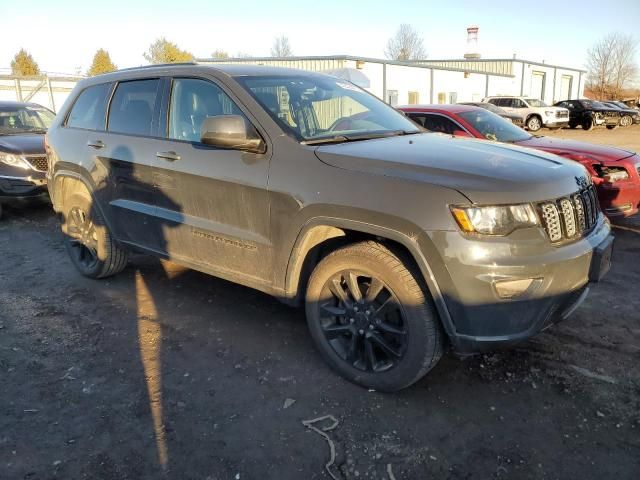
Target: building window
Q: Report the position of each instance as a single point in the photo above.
(392, 97)
(414, 98)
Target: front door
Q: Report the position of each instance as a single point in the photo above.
(214, 202)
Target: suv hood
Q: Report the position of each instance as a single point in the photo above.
(485, 172)
(27, 143)
(573, 148)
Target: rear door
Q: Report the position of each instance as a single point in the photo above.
(126, 152)
(213, 202)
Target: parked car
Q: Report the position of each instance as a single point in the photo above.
(535, 113)
(396, 241)
(512, 117)
(589, 113)
(23, 162)
(614, 172)
(629, 116)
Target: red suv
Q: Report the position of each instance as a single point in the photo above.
(615, 172)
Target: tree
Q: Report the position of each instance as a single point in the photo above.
(164, 51)
(23, 64)
(281, 47)
(406, 44)
(220, 54)
(611, 65)
(101, 64)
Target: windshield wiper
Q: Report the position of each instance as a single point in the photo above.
(356, 138)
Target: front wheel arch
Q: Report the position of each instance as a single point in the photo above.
(340, 232)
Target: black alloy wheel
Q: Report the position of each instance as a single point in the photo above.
(82, 238)
(363, 321)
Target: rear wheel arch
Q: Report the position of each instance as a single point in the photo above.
(321, 236)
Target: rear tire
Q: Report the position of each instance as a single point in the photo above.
(370, 319)
(534, 123)
(572, 125)
(587, 124)
(88, 241)
(612, 127)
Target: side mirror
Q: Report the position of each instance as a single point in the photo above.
(461, 133)
(232, 132)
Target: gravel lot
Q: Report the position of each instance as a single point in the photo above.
(163, 372)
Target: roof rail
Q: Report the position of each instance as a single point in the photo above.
(154, 65)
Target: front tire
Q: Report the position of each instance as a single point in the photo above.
(534, 123)
(587, 124)
(370, 318)
(88, 241)
(626, 121)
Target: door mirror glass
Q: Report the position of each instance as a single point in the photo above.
(232, 132)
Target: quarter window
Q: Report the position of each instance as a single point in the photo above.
(192, 101)
(89, 110)
(132, 107)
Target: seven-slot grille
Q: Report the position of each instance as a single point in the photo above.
(39, 162)
(562, 114)
(568, 218)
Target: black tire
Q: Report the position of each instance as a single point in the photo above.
(626, 121)
(386, 343)
(587, 124)
(612, 127)
(534, 123)
(87, 239)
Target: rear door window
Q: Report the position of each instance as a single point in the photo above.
(132, 107)
(89, 110)
(440, 124)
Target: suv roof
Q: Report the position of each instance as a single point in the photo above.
(228, 69)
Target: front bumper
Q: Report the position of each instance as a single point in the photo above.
(619, 199)
(15, 189)
(556, 123)
(482, 319)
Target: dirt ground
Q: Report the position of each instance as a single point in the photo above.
(163, 372)
(627, 138)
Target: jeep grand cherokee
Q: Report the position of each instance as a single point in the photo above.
(311, 189)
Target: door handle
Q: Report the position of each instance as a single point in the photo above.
(96, 143)
(169, 156)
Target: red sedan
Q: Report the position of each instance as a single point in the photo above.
(615, 172)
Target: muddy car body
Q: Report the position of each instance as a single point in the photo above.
(396, 241)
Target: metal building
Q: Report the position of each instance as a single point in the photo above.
(443, 81)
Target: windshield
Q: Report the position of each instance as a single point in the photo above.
(317, 107)
(534, 102)
(25, 119)
(493, 127)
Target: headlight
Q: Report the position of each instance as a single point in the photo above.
(549, 113)
(613, 174)
(14, 161)
(495, 220)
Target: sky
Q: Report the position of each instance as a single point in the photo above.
(63, 35)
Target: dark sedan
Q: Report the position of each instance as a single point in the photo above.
(589, 113)
(515, 119)
(23, 161)
(629, 115)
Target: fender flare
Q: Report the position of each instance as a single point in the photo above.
(333, 226)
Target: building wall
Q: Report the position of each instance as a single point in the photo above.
(527, 73)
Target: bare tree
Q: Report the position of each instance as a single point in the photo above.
(281, 47)
(220, 54)
(611, 65)
(406, 44)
